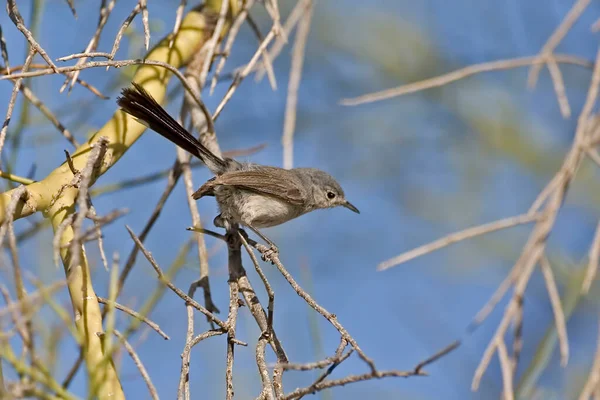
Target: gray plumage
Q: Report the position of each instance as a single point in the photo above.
(253, 195)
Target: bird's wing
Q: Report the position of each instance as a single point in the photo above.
(279, 183)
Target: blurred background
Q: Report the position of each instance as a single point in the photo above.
(418, 167)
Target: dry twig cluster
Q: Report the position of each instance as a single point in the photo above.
(542, 213)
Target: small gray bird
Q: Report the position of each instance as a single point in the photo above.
(252, 195)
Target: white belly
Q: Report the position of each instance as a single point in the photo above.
(260, 211)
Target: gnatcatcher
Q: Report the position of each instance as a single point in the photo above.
(256, 196)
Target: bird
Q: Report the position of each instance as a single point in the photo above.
(253, 195)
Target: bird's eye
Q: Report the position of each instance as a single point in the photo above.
(330, 195)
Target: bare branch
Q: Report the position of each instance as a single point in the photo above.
(240, 77)
(233, 31)
(17, 19)
(144, 6)
(177, 291)
(136, 10)
(211, 46)
(533, 251)
(554, 40)
(591, 385)
(457, 237)
(267, 388)
(290, 23)
(4, 51)
(298, 50)
(13, 98)
(507, 370)
(29, 95)
(185, 359)
(559, 88)
(461, 73)
(594, 257)
(135, 314)
(138, 363)
(105, 11)
(557, 309)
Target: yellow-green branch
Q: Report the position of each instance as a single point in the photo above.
(55, 197)
(121, 130)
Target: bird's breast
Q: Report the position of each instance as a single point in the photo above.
(260, 211)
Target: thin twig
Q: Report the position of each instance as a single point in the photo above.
(263, 277)
(267, 63)
(189, 337)
(33, 300)
(233, 31)
(174, 175)
(240, 77)
(517, 322)
(555, 39)
(136, 10)
(593, 380)
(177, 24)
(346, 380)
(117, 64)
(13, 98)
(137, 315)
(289, 122)
(329, 371)
(17, 19)
(176, 290)
(267, 388)
(33, 99)
(458, 74)
(594, 155)
(339, 353)
(231, 323)
(559, 88)
(557, 309)
(15, 178)
(251, 299)
(594, 257)
(457, 237)
(211, 45)
(18, 194)
(92, 54)
(106, 7)
(204, 279)
(138, 363)
(185, 359)
(86, 176)
(4, 51)
(280, 42)
(19, 320)
(507, 370)
(332, 318)
(144, 5)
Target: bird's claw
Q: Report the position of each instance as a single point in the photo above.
(267, 253)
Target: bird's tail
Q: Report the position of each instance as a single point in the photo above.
(141, 105)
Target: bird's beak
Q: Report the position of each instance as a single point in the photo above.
(349, 206)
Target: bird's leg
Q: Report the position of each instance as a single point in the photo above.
(266, 255)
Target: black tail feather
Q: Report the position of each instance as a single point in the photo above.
(141, 105)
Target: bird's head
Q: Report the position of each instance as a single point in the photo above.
(326, 191)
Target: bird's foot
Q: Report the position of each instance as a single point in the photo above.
(268, 253)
